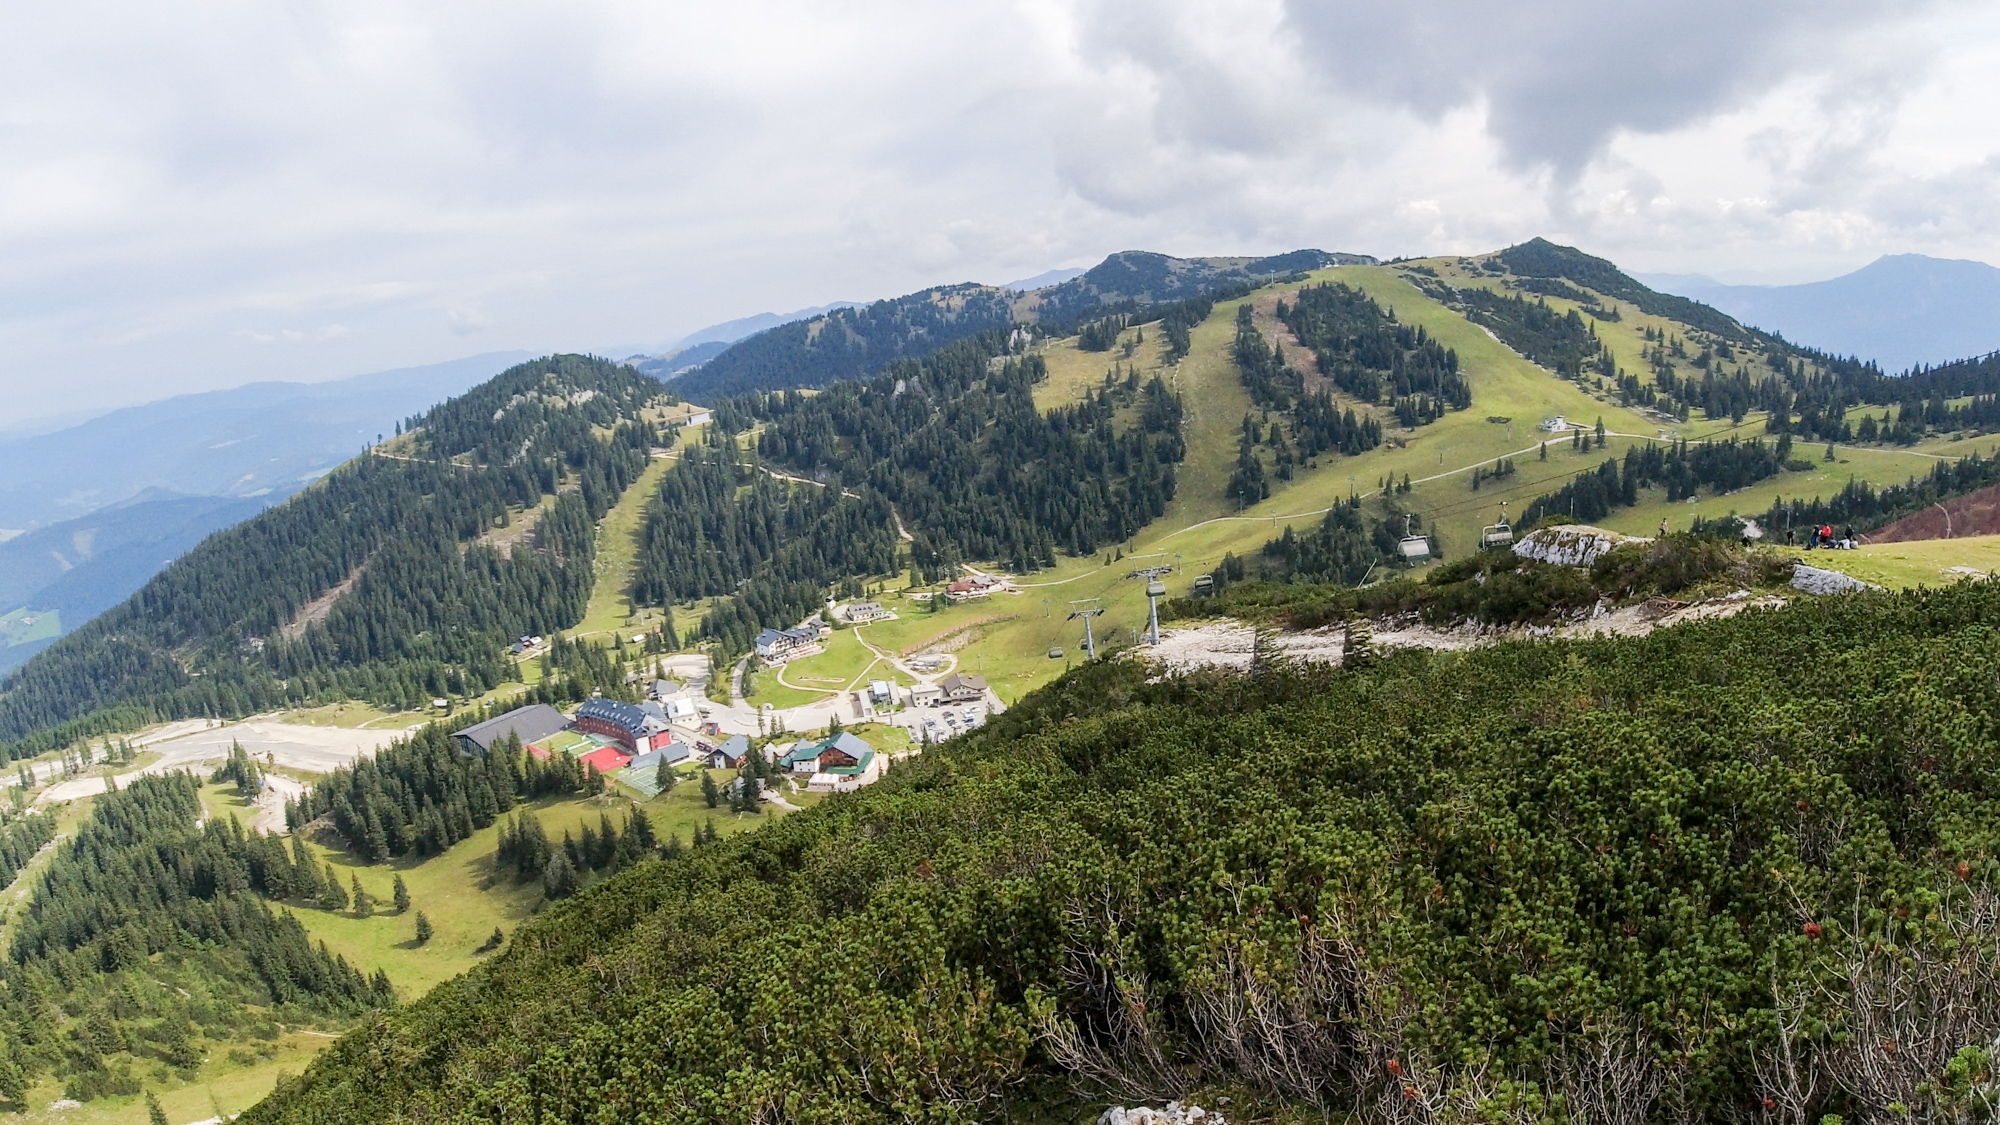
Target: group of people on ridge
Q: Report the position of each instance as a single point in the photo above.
(1822, 537)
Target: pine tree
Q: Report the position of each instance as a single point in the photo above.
(306, 882)
(402, 893)
(333, 896)
(423, 929)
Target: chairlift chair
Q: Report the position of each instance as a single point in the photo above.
(1497, 534)
(1413, 548)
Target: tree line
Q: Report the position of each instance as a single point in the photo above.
(1682, 468)
(21, 838)
(1319, 425)
(952, 446)
(422, 794)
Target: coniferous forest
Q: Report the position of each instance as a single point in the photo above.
(1359, 346)
(150, 929)
(950, 450)
(413, 537)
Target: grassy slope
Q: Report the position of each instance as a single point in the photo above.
(1199, 526)
(617, 548)
(1926, 562)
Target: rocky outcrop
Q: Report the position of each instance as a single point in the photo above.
(1571, 544)
(1813, 580)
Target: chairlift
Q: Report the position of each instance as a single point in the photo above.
(1414, 547)
(1497, 534)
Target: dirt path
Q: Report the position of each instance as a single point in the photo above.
(305, 749)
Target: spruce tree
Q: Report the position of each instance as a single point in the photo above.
(306, 882)
(364, 903)
(402, 893)
(13, 1083)
(155, 1113)
(332, 896)
(709, 793)
(423, 929)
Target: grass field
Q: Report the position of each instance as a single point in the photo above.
(352, 715)
(460, 891)
(220, 1087)
(22, 626)
(1927, 562)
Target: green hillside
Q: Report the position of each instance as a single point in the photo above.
(1510, 396)
(1312, 892)
(399, 577)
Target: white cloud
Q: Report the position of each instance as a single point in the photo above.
(182, 187)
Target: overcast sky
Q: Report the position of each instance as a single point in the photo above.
(200, 194)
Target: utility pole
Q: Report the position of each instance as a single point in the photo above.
(1091, 608)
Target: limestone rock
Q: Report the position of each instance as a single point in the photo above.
(1813, 580)
(1572, 544)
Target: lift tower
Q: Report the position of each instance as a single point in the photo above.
(1155, 590)
(1087, 609)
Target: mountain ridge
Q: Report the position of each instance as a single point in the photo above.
(236, 442)
(1901, 311)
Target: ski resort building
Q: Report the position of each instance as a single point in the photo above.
(532, 723)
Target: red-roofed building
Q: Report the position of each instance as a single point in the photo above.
(608, 759)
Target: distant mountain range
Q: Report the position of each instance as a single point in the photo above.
(56, 578)
(245, 442)
(1042, 280)
(89, 512)
(1901, 311)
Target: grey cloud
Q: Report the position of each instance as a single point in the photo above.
(1560, 78)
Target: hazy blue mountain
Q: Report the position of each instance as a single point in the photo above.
(1900, 310)
(680, 361)
(249, 441)
(730, 331)
(1042, 280)
(79, 568)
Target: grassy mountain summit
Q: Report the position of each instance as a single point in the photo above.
(1667, 875)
